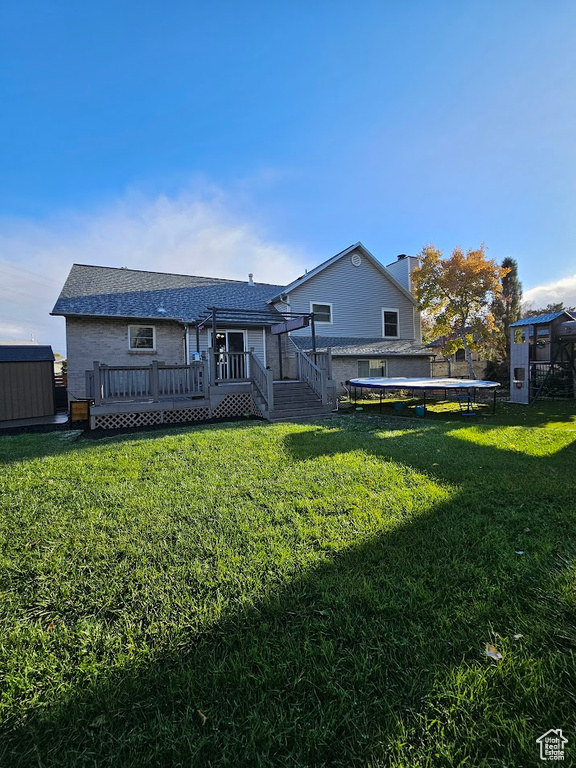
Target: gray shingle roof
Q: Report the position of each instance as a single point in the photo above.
(25, 353)
(347, 346)
(112, 292)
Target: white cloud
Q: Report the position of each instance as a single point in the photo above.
(550, 293)
(192, 233)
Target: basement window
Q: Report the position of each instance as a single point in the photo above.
(141, 337)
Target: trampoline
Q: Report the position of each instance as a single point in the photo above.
(458, 386)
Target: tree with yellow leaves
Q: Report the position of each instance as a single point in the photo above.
(456, 294)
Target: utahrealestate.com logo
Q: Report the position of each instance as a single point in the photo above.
(552, 745)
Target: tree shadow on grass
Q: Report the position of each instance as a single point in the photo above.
(380, 644)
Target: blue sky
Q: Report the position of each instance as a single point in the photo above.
(255, 136)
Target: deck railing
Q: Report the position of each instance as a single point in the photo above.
(263, 380)
(229, 366)
(115, 383)
(323, 360)
(316, 377)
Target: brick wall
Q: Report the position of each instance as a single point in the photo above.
(345, 368)
(90, 339)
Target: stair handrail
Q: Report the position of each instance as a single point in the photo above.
(263, 380)
(309, 372)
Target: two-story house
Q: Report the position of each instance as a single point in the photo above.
(135, 337)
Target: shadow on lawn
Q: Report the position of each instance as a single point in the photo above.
(370, 647)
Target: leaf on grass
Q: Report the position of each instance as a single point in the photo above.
(493, 652)
(519, 551)
(201, 716)
(98, 721)
(517, 637)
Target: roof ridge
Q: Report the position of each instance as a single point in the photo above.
(173, 274)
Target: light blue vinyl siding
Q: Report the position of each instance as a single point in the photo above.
(357, 296)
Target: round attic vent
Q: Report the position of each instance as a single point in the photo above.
(356, 259)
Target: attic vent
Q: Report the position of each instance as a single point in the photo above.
(356, 259)
(250, 279)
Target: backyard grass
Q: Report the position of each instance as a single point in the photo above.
(290, 595)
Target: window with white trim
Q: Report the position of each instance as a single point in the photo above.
(390, 323)
(371, 368)
(322, 312)
(141, 338)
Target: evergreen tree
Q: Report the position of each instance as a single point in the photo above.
(507, 308)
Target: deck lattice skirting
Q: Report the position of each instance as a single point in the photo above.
(218, 407)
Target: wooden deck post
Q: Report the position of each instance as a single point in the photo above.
(323, 387)
(329, 362)
(154, 381)
(270, 389)
(97, 384)
(212, 365)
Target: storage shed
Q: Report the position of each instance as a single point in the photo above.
(26, 381)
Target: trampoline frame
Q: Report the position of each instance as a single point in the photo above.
(456, 385)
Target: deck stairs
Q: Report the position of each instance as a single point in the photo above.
(296, 400)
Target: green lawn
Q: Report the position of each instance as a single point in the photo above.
(290, 595)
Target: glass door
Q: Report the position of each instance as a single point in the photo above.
(230, 355)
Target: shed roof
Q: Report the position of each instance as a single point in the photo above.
(112, 292)
(345, 346)
(541, 319)
(25, 353)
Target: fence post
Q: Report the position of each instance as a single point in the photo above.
(329, 362)
(299, 365)
(323, 387)
(204, 387)
(97, 384)
(154, 381)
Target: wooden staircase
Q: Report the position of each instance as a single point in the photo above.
(296, 400)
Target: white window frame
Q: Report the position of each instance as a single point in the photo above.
(142, 350)
(390, 309)
(324, 304)
(383, 364)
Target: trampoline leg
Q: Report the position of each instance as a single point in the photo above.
(494, 404)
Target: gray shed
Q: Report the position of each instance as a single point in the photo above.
(26, 381)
